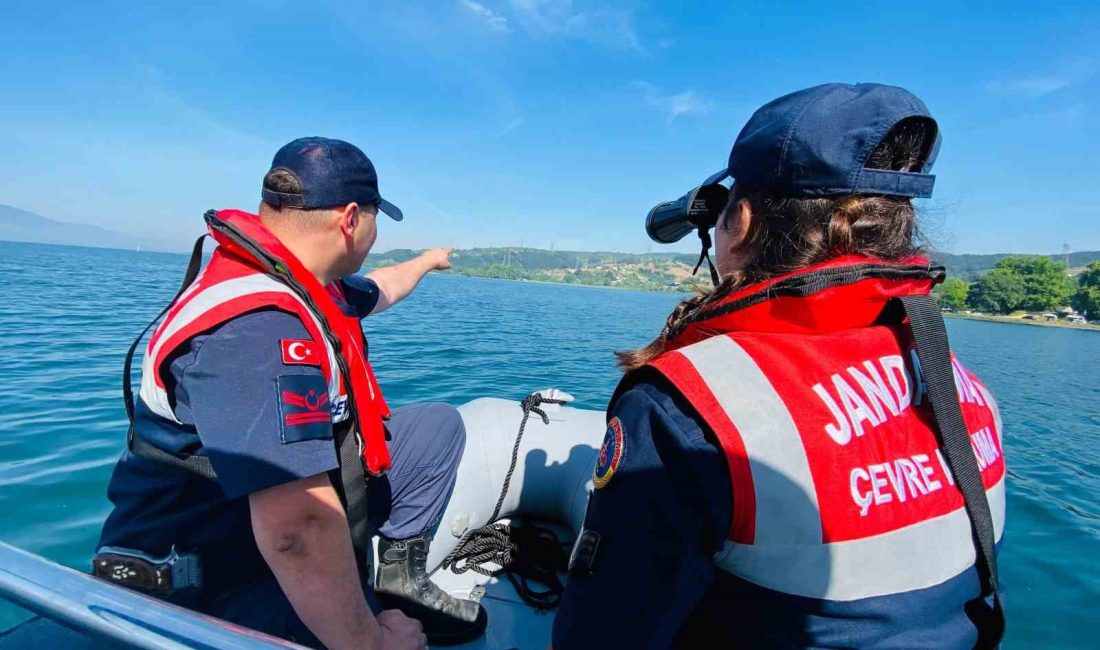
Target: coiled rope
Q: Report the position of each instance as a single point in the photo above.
(524, 553)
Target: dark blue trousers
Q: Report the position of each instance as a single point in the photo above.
(426, 443)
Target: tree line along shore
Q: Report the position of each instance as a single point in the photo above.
(1035, 290)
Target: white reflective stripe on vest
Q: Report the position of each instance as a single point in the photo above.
(788, 554)
(208, 298)
(786, 501)
(914, 557)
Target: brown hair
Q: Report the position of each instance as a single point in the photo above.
(788, 234)
(282, 181)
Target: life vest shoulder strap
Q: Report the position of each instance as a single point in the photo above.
(194, 264)
(199, 465)
(934, 352)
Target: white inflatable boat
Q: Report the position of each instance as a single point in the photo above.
(550, 483)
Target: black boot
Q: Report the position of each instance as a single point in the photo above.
(403, 583)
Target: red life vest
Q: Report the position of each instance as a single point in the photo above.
(251, 269)
(840, 491)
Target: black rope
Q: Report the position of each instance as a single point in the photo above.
(525, 553)
(540, 557)
(530, 405)
(478, 547)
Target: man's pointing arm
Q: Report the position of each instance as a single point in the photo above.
(398, 281)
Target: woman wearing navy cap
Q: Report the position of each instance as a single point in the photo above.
(798, 460)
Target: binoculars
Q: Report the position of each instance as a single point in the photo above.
(699, 209)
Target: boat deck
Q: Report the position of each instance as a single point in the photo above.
(512, 623)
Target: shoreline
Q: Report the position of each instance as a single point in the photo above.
(669, 291)
(989, 318)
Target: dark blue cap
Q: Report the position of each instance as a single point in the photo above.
(332, 173)
(815, 142)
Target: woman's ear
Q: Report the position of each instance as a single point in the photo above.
(738, 220)
(730, 235)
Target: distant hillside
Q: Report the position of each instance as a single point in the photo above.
(20, 225)
(650, 271)
(534, 259)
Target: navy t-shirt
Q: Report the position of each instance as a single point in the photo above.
(260, 421)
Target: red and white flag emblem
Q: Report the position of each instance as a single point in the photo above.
(300, 352)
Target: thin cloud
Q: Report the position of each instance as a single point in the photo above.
(560, 18)
(1067, 73)
(673, 105)
(493, 20)
(1067, 116)
(157, 90)
(512, 125)
(1029, 87)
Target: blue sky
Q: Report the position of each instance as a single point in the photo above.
(534, 122)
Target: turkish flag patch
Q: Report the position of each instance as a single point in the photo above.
(300, 352)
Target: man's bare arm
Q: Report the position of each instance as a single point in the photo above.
(398, 281)
(302, 533)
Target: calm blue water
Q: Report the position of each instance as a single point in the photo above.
(68, 314)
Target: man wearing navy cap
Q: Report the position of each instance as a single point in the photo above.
(798, 460)
(261, 436)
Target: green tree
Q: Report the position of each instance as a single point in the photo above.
(952, 293)
(999, 291)
(1087, 297)
(496, 271)
(1046, 285)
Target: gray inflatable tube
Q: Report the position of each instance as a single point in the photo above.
(552, 479)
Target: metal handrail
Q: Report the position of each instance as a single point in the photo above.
(99, 609)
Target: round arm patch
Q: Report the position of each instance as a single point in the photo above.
(611, 454)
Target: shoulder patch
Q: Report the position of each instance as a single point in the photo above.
(300, 352)
(304, 409)
(611, 454)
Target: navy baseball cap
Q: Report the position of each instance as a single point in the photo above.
(332, 173)
(815, 142)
